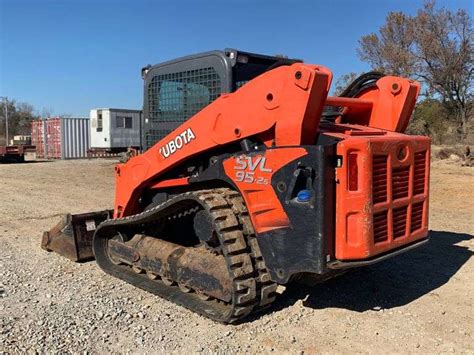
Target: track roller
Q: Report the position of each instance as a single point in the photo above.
(221, 276)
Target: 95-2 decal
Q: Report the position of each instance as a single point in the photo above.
(248, 167)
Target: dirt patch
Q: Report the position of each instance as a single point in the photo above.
(421, 301)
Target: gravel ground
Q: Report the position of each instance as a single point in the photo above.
(420, 302)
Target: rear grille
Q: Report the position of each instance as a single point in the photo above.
(379, 178)
(420, 170)
(380, 227)
(416, 216)
(400, 182)
(393, 209)
(399, 222)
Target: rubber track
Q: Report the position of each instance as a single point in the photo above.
(251, 286)
(266, 288)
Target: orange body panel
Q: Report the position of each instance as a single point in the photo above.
(288, 100)
(389, 208)
(392, 100)
(266, 211)
(170, 183)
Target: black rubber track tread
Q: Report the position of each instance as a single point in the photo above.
(266, 288)
(241, 258)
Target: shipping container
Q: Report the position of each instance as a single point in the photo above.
(38, 137)
(115, 129)
(61, 138)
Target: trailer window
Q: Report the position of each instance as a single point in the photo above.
(99, 122)
(123, 122)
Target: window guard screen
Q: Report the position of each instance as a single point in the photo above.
(175, 97)
(154, 135)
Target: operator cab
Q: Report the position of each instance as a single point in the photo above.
(176, 90)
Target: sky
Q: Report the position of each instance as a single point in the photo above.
(69, 56)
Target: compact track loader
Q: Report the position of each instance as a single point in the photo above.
(251, 175)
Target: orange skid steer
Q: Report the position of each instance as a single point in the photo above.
(250, 175)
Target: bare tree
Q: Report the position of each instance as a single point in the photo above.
(445, 52)
(343, 82)
(46, 112)
(20, 115)
(436, 47)
(391, 50)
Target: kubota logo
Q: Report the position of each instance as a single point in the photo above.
(177, 143)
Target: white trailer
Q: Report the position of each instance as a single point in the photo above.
(114, 130)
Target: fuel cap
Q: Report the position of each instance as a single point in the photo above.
(303, 196)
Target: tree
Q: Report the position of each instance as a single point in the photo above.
(343, 82)
(430, 118)
(436, 47)
(47, 112)
(391, 51)
(20, 115)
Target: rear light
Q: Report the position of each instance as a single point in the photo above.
(353, 171)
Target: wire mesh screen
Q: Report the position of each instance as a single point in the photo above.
(154, 135)
(239, 84)
(177, 96)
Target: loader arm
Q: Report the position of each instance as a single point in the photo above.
(287, 101)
